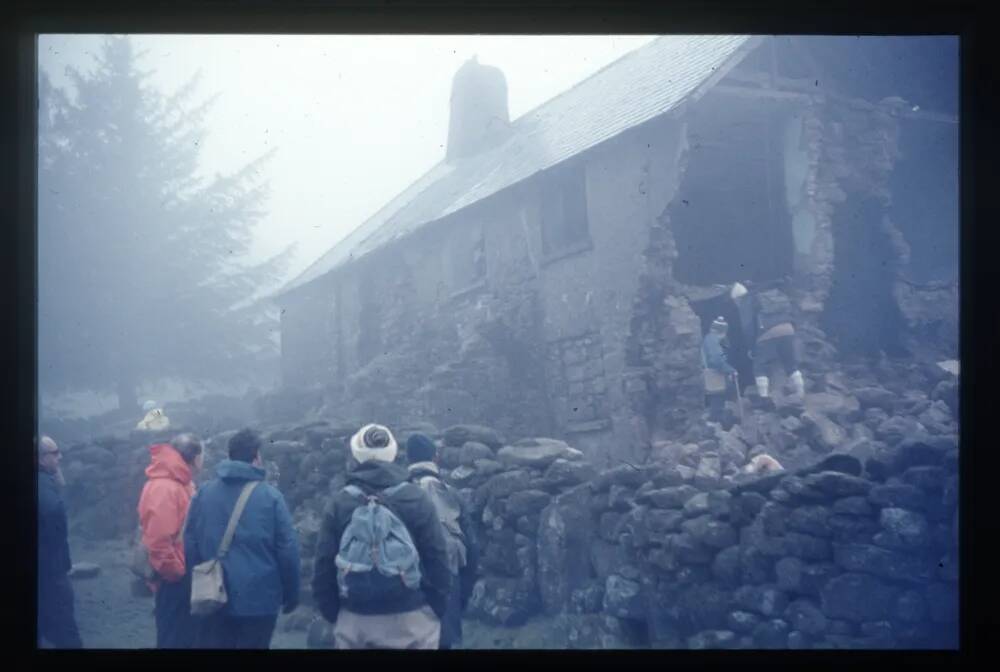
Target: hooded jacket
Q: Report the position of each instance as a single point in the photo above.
(462, 585)
(261, 568)
(414, 508)
(162, 507)
(53, 547)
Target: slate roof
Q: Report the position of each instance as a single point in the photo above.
(643, 84)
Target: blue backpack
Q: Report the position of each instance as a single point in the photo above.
(377, 561)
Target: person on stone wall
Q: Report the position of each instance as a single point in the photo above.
(56, 616)
(261, 567)
(411, 618)
(155, 420)
(775, 342)
(460, 533)
(163, 507)
(717, 370)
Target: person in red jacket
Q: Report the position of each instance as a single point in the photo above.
(163, 508)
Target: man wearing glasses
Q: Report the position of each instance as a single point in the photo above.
(56, 620)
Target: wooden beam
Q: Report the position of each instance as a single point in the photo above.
(752, 92)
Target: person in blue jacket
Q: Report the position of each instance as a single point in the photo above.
(718, 371)
(261, 569)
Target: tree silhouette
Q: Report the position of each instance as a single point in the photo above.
(142, 264)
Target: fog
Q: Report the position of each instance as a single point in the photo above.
(610, 276)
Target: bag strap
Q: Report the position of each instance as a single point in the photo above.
(354, 490)
(241, 503)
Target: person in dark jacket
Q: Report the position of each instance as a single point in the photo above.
(261, 568)
(717, 369)
(775, 342)
(412, 621)
(421, 453)
(56, 619)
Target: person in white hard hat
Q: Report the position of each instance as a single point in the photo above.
(155, 420)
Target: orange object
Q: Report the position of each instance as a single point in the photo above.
(163, 506)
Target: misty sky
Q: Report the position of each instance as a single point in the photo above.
(355, 118)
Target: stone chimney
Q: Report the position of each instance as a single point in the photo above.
(479, 117)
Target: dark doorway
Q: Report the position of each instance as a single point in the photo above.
(860, 313)
(729, 217)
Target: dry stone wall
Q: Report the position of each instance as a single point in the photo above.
(854, 544)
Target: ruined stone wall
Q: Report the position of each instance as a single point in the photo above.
(537, 346)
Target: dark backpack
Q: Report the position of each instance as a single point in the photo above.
(773, 308)
(449, 511)
(377, 561)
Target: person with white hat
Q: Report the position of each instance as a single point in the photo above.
(154, 420)
(381, 571)
(718, 371)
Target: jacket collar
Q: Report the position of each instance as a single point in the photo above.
(236, 470)
(375, 474)
(424, 468)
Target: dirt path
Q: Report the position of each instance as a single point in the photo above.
(109, 617)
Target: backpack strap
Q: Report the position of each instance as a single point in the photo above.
(354, 490)
(394, 489)
(241, 503)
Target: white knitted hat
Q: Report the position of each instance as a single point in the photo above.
(738, 290)
(373, 442)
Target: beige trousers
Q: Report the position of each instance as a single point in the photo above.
(419, 629)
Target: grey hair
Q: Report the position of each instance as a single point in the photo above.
(188, 445)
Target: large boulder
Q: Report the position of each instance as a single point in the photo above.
(826, 434)
(591, 631)
(623, 598)
(622, 474)
(838, 484)
(875, 397)
(898, 428)
(565, 531)
(703, 606)
(806, 617)
(563, 472)
(947, 391)
(503, 601)
(527, 502)
(765, 600)
(857, 598)
(504, 484)
(668, 498)
(710, 532)
(885, 563)
(903, 529)
(832, 404)
(713, 639)
(472, 451)
(458, 435)
(537, 453)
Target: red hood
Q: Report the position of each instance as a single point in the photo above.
(168, 463)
